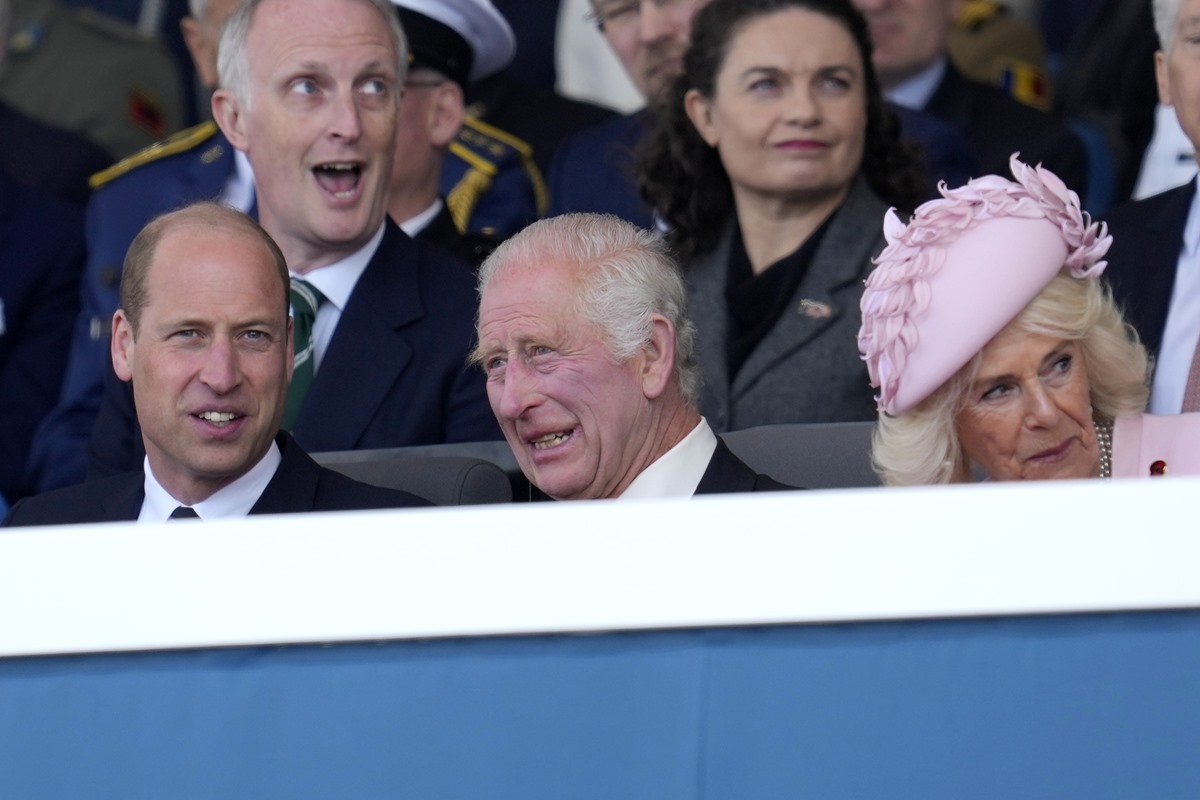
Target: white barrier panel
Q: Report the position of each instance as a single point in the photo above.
(779, 558)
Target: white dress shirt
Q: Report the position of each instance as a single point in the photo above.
(414, 225)
(234, 500)
(337, 281)
(915, 92)
(1182, 330)
(678, 471)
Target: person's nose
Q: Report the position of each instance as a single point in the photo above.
(801, 107)
(1041, 410)
(519, 392)
(346, 120)
(220, 371)
(655, 21)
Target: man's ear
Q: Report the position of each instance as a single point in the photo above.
(659, 358)
(1163, 78)
(122, 345)
(446, 113)
(230, 117)
(699, 111)
(291, 351)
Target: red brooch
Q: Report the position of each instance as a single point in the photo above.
(1158, 469)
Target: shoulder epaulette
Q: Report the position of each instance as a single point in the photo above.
(174, 144)
(485, 147)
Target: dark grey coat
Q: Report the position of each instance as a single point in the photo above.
(807, 368)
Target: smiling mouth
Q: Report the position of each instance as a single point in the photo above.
(551, 440)
(340, 178)
(1052, 453)
(218, 418)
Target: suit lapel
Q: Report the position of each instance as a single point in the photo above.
(368, 350)
(725, 473)
(822, 298)
(1164, 242)
(125, 503)
(706, 279)
(293, 487)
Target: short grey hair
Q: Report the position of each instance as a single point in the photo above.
(922, 447)
(1166, 14)
(233, 68)
(628, 276)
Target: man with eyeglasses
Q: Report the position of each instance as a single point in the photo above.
(594, 170)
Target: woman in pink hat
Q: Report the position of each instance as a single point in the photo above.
(994, 345)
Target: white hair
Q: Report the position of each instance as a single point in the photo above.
(628, 277)
(233, 69)
(1166, 14)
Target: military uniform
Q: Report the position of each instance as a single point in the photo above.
(82, 71)
(991, 45)
(190, 166)
(491, 184)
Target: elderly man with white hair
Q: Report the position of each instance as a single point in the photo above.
(1154, 263)
(591, 372)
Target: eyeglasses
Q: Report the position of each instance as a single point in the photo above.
(616, 16)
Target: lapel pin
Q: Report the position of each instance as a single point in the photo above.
(815, 309)
(1158, 469)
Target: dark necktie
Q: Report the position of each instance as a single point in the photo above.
(183, 512)
(306, 299)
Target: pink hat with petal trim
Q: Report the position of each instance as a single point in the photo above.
(962, 269)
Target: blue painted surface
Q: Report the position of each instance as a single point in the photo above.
(1097, 706)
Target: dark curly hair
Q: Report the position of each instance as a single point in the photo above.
(682, 177)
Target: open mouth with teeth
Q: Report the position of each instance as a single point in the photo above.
(340, 178)
(218, 418)
(551, 440)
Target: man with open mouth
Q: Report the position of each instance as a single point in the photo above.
(309, 91)
(591, 369)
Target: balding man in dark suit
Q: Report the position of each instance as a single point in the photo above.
(203, 334)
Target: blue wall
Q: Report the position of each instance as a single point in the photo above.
(1091, 706)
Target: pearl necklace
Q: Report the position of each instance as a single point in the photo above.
(1104, 440)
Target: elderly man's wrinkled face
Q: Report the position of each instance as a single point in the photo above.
(578, 423)
(1028, 415)
(649, 37)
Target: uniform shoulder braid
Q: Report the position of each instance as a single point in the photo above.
(181, 142)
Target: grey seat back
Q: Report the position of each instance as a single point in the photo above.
(816, 456)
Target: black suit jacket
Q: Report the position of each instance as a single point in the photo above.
(395, 373)
(41, 258)
(594, 171)
(299, 484)
(997, 126)
(727, 474)
(1147, 237)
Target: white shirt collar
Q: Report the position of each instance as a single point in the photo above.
(914, 93)
(414, 225)
(239, 187)
(1191, 228)
(678, 471)
(336, 281)
(234, 500)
